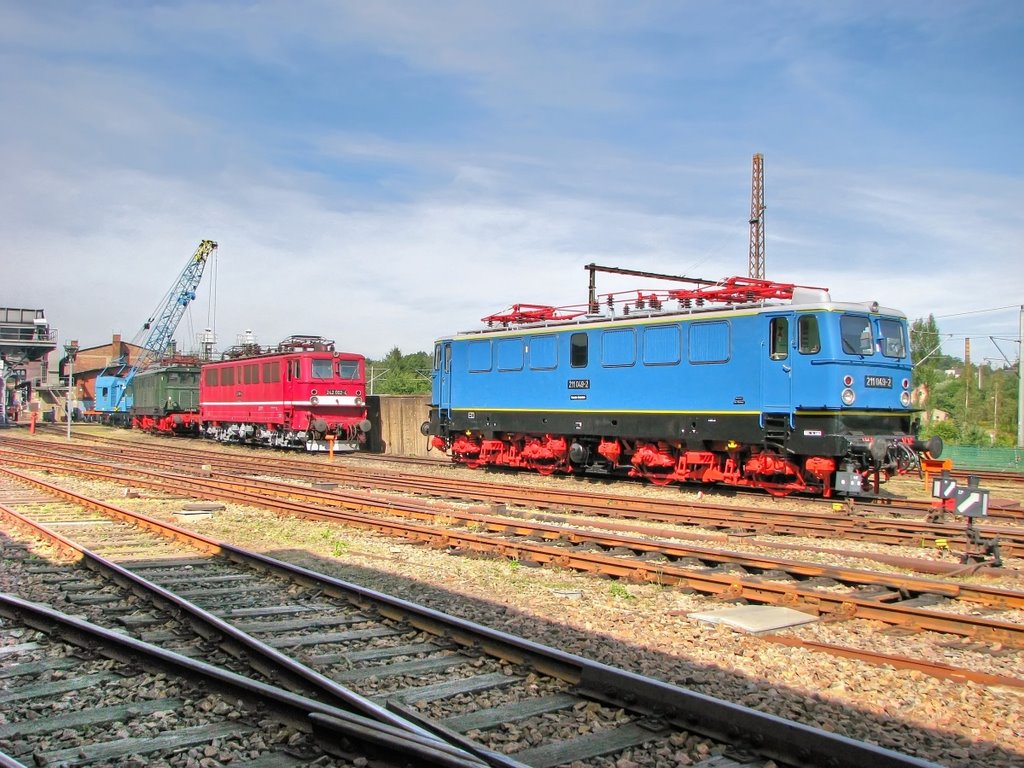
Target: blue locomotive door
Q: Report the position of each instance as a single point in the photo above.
(777, 366)
(443, 380)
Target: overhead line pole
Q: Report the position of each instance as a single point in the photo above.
(1020, 381)
(755, 267)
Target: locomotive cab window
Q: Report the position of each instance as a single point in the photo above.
(779, 334)
(294, 370)
(348, 369)
(856, 334)
(808, 337)
(893, 343)
(578, 350)
(322, 369)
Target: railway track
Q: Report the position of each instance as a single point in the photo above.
(74, 693)
(915, 531)
(730, 523)
(820, 590)
(1007, 479)
(429, 668)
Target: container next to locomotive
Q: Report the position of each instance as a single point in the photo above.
(801, 395)
(302, 394)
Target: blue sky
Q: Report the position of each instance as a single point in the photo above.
(383, 173)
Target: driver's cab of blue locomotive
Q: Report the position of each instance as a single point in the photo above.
(866, 335)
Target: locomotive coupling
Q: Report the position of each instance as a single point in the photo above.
(932, 445)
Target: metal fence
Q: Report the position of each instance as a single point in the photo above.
(997, 459)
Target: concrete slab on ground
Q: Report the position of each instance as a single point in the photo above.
(755, 618)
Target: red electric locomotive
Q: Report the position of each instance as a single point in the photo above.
(301, 394)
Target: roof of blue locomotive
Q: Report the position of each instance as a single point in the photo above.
(804, 300)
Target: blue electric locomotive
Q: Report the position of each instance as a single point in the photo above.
(743, 382)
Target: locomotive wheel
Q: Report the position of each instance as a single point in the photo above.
(545, 469)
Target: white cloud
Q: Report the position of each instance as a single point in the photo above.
(592, 132)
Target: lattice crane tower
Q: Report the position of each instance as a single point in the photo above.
(755, 267)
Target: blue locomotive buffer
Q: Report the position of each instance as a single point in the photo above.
(803, 396)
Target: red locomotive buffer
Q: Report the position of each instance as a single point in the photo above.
(303, 394)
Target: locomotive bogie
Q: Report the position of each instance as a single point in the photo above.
(796, 397)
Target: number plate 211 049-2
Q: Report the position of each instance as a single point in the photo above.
(881, 382)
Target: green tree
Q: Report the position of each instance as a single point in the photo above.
(924, 340)
(398, 374)
(947, 430)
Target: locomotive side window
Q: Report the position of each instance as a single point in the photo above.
(779, 333)
(322, 369)
(618, 348)
(294, 370)
(543, 351)
(893, 342)
(510, 354)
(251, 373)
(808, 338)
(437, 357)
(271, 373)
(479, 356)
(211, 377)
(709, 342)
(348, 369)
(663, 345)
(578, 350)
(856, 333)
(227, 376)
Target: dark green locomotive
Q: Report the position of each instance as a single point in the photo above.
(166, 399)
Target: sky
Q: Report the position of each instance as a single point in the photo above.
(385, 173)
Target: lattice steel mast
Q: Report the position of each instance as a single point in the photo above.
(755, 267)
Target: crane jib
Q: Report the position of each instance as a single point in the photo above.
(162, 330)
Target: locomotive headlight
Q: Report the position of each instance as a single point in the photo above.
(359, 400)
(314, 400)
(848, 396)
(905, 399)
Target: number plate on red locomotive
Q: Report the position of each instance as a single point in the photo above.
(879, 382)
